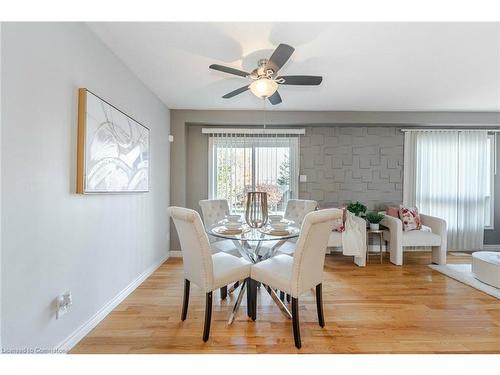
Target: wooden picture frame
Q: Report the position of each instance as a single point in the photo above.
(112, 149)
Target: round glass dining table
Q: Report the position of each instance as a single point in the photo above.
(256, 245)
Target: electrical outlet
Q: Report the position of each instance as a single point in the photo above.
(64, 302)
(303, 178)
(170, 138)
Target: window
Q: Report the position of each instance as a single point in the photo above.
(449, 174)
(489, 209)
(241, 162)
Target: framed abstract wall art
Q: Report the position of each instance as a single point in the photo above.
(113, 149)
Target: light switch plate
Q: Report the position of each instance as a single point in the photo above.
(303, 178)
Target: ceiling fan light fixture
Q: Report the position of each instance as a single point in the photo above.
(263, 87)
(264, 80)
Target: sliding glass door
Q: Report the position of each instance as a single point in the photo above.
(239, 163)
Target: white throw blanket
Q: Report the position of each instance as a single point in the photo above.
(352, 237)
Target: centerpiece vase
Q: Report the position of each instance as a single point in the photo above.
(256, 212)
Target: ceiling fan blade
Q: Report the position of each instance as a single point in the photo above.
(275, 98)
(301, 80)
(235, 92)
(229, 70)
(279, 57)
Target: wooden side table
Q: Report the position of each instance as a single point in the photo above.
(380, 233)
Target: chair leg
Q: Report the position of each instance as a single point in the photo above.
(282, 296)
(295, 322)
(319, 304)
(185, 301)
(249, 298)
(254, 299)
(288, 298)
(208, 316)
(223, 292)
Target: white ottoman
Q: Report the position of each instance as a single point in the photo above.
(486, 267)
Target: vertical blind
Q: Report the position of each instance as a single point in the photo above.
(240, 162)
(445, 175)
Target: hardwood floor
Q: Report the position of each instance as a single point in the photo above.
(376, 309)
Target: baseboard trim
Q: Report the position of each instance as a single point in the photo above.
(491, 247)
(176, 253)
(73, 339)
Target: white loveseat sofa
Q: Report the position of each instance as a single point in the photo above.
(398, 239)
(335, 240)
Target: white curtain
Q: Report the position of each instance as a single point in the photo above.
(242, 162)
(445, 174)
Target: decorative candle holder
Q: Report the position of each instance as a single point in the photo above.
(256, 212)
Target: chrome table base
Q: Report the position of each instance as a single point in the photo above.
(238, 302)
(256, 255)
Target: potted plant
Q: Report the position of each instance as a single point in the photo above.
(374, 218)
(357, 208)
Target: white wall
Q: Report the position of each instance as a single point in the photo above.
(53, 239)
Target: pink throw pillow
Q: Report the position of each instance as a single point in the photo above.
(393, 211)
(339, 224)
(410, 218)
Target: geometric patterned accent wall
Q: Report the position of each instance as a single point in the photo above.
(345, 164)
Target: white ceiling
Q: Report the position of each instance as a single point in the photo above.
(366, 66)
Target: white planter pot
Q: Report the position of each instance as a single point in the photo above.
(374, 226)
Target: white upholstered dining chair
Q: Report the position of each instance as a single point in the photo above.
(296, 210)
(298, 274)
(206, 270)
(213, 211)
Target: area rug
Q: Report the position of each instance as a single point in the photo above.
(460, 254)
(463, 273)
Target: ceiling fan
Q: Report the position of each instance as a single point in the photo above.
(265, 79)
